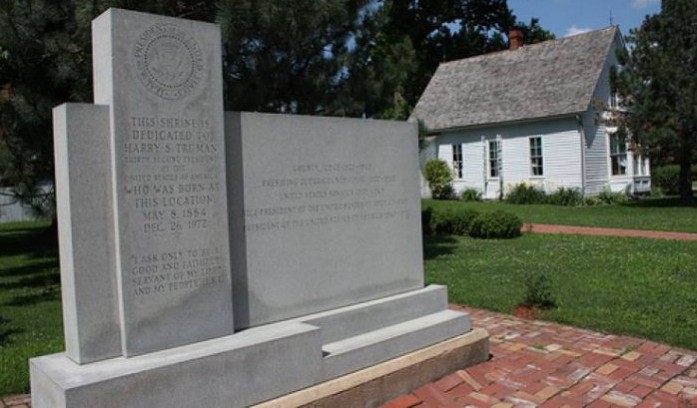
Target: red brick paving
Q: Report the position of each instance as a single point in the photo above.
(608, 232)
(544, 364)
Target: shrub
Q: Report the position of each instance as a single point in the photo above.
(566, 196)
(525, 194)
(451, 221)
(471, 194)
(439, 178)
(497, 224)
(608, 197)
(538, 290)
(666, 178)
(462, 221)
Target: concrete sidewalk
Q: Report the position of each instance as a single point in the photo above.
(545, 364)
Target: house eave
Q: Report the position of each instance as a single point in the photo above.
(437, 131)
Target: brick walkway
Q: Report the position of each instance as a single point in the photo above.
(545, 364)
(608, 232)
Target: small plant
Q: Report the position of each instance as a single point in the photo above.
(525, 194)
(538, 290)
(471, 194)
(566, 196)
(439, 178)
(497, 224)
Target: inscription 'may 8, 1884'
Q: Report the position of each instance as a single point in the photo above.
(169, 61)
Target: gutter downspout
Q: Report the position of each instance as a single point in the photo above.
(582, 133)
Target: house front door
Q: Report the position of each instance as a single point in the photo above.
(493, 166)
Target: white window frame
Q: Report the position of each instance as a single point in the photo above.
(534, 156)
(495, 161)
(617, 155)
(457, 161)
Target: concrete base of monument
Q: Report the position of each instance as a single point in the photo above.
(380, 383)
(265, 362)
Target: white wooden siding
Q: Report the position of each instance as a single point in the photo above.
(561, 150)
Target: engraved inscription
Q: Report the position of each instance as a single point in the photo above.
(172, 188)
(166, 272)
(169, 61)
(317, 194)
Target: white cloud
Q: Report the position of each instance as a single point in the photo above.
(573, 30)
(642, 4)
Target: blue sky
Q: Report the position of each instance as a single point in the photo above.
(567, 17)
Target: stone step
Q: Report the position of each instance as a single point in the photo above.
(356, 352)
(366, 317)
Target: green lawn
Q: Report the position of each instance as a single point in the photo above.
(642, 287)
(30, 313)
(652, 214)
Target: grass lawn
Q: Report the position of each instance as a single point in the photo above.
(641, 287)
(664, 214)
(30, 314)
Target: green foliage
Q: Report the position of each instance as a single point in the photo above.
(454, 222)
(666, 178)
(471, 194)
(566, 197)
(538, 290)
(287, 56)
(525, 194)
(659, 87)
(497, 224)
(439, 178)
(609, 197)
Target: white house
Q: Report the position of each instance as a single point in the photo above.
(532, 114)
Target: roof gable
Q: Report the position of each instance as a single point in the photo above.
(551, 78)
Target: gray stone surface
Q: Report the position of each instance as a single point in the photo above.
(364, 317)
(324, 212)
(232, 371)
(161, 78)
(83, 201)
(357, 352)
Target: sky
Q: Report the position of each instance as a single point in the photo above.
(568, 17)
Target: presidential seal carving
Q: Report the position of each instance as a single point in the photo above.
(169, 61)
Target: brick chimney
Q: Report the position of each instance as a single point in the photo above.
(515, 38)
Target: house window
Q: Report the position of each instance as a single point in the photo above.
(494, 158)
(536, 156)
(618, 154)
(457, 160)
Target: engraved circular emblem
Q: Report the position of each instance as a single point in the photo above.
(169, 61)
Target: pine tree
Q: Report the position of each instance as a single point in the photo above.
(659, 87)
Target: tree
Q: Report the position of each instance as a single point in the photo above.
(658, 84)
(402, 47)
(287, 56)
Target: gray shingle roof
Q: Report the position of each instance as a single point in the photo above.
(546, 79)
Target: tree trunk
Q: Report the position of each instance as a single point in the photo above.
(685, 179)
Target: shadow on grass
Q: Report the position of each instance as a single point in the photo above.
(30, 269)
(48, 294)
(664, 202)
(35, 281)
(6, 332)
(439, 245)
(33, 241)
